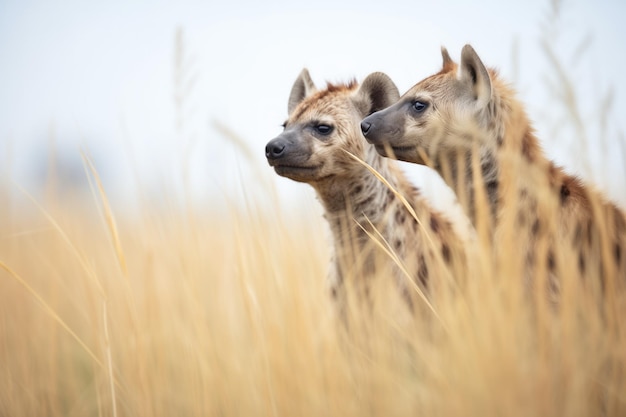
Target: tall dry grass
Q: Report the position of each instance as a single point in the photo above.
(227, 314)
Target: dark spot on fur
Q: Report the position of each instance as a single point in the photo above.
(397, 244)
(342, 164)
(551, 261)
(358, 189)
(492, 188)
(400, 216)
(564, 193)
(553, 285)
(602, 279)
(333, 292)
(581, 263)
(422, 273)
(617, 253)
(536, 227)
(589, 232)
(368, 200)
(445, 252)
(527, 148)
(434, 224)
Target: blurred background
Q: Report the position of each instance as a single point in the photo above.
(178, 99)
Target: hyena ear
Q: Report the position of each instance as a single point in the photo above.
(375, 93)
(474, 73)
(448, 63)
(302, 88)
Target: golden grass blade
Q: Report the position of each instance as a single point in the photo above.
(108, 214)
(50, 311)
(77, 253)
(107, 347)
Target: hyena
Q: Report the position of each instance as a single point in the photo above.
(467, 123)
(318, 146)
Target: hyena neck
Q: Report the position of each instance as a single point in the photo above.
(354, 206)
(457, 170)
(513, 134)
(506, 139)
(360, 198)
(359, 194)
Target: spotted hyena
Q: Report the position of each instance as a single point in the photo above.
(467, 123)
(322, 145)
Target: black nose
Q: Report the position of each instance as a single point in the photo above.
(365, 127)
(274, 149)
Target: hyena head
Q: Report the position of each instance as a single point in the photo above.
(324, 123)
(437, 114)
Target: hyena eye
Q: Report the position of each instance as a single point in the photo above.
(323, 129)
(419, 106)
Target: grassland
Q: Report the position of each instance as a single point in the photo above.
(199, 313)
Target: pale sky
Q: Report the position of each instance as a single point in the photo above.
(100, 77)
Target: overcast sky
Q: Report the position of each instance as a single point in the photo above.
(102, 77)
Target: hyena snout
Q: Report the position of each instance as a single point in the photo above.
(288, 150)
(275, 149)
(383, 127)
(370, 129)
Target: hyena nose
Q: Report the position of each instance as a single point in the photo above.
(275, 149)
(365, 127)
